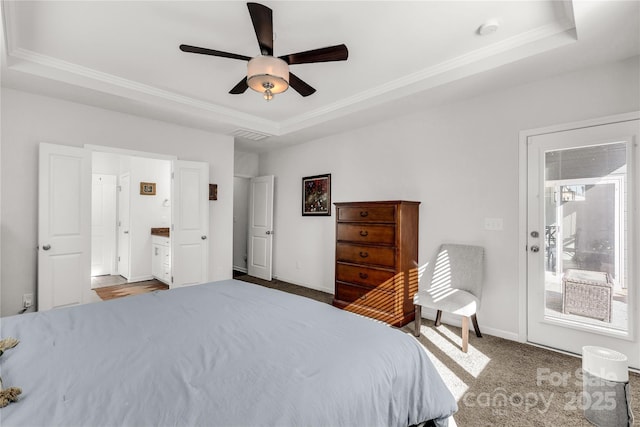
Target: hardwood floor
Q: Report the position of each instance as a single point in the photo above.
(127, 289)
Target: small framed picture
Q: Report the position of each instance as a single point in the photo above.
(148, 188)
(316, 195)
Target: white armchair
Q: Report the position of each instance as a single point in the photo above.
(452, 282)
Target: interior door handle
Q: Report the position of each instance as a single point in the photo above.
(126, 232)
(269, 232)
(203, 237)
(46, 247)
(535, 248)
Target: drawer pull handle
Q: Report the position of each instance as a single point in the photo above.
(363, 296)
(364, 233)
(363, 275)
(364, 254)
(364, 214)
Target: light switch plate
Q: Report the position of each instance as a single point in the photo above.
(493, 224)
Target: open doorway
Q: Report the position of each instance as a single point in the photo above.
(123, 216)
(240, 222)
(64, 221)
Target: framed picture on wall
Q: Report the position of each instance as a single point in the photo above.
(148, 188)
(316, 195)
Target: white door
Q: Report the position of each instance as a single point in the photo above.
(124, 238)
(583, 190)
(64, 226)
(260, 227)
(190, 223)
(103, 224)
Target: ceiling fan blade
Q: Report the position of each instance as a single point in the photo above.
(262, 18)
(241, 87)
(205, 51)
(325, 54)
(300, 86)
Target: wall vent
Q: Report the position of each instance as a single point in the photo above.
(249, 134)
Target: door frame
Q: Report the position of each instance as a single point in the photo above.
(522, 201)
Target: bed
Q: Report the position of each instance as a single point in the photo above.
(225, 353)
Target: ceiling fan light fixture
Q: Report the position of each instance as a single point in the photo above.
(268, 75)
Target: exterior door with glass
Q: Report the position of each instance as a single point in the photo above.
(582, 284)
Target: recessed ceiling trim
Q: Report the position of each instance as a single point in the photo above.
(530, 43)
(233, 116)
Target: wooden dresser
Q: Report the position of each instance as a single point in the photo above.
(377, 259)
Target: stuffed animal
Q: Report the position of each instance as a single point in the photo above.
(7, 343)
(10, 394)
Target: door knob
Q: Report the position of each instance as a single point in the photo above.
(269, 232)
(46, 247)
(126, 232)
(203, 237)
(535, 248)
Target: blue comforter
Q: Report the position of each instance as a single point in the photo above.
(220, 354)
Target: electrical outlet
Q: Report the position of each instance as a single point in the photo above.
(27, 300)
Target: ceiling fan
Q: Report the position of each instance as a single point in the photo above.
(266, 73)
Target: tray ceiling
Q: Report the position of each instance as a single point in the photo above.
(125, 56)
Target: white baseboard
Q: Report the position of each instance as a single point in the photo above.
(449, 320)
(305, 285)
(457, 322)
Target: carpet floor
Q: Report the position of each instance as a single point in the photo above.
(498, 382)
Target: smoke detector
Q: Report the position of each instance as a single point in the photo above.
(489, 27)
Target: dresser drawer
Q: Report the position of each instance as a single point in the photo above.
(371, 277)
(367, 213)
(367, 233)
(372, 255)
(366, 297)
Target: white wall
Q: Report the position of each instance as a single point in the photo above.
(147, 212)
(28, 119)
(245, 164)
(459, 160)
